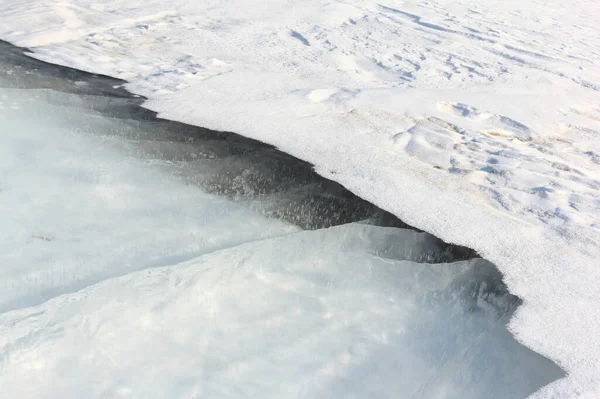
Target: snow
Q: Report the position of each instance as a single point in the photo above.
(475, 121)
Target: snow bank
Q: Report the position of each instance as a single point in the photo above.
(475, 121)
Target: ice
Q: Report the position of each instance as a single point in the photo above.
(476, 121)
(78, 208)
(312, 314)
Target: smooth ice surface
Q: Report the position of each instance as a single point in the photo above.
(476, 121)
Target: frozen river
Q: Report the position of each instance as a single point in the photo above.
(145, 258)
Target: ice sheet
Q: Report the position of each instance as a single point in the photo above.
(77, 208)
(314, 314)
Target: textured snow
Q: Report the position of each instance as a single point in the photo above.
(477, 121)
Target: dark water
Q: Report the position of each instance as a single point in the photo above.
(234, 166)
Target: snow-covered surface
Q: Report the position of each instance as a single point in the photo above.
(229, 304)
(477, 121)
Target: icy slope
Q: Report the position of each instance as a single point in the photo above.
(476, 121)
